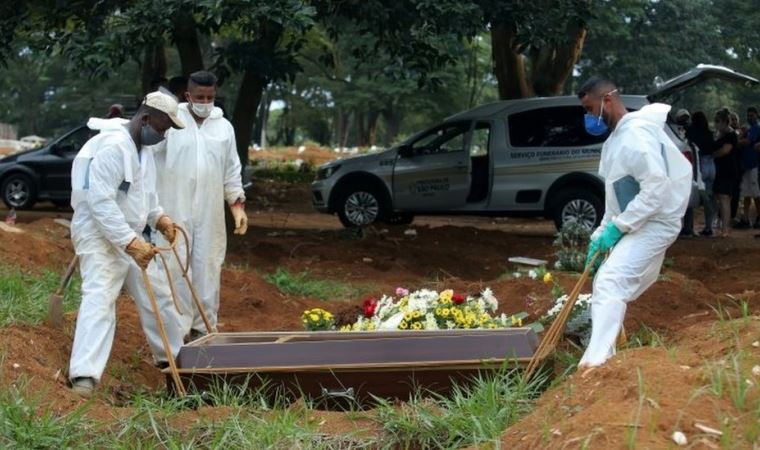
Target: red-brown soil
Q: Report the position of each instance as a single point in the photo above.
(466, 254)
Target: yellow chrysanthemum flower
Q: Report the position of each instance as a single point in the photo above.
(446, 295)
(408, 316)
(417, 314)
(416, 326)
(445, 312)
(314, 317)
(403, 325)
(548, 278)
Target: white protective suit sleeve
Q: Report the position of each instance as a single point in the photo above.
(602, 225)
(106, 175)
(156, 211)
(646, 164)
(233, 182)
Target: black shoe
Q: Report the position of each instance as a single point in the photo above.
(706, 233)
(743, 225)
(195, 335)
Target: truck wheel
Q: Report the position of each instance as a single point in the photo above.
(360, 206)
(19, 191)
(577, 205)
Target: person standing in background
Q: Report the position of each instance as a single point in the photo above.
(748, 165)
(700, 135)
(201, 171)
(726, 169)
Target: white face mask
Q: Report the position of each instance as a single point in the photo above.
(202, 109)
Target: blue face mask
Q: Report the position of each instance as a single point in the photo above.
(595, 125)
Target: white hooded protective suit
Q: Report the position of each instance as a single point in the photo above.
(200, 170)
(647, 186)
(113, 196)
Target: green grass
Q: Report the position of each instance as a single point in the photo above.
(632, 431)
(303, 284)
(645, 337)
(24, 295)
(472, 415)
(27, 423)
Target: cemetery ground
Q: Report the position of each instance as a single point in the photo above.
(691, 365)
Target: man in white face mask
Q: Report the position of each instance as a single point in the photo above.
(201, 171)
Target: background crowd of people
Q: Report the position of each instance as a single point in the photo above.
(725, 160)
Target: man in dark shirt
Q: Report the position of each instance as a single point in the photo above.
(748, 164)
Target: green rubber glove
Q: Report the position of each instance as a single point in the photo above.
(609, 237)
(593, 247)
(604, 243)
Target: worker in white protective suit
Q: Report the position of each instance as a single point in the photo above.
(201, 171)
(113, 195)
(647, 187)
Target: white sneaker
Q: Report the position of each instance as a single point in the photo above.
(83, 386)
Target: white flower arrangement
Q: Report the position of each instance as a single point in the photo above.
(426, 309)
(579, 322)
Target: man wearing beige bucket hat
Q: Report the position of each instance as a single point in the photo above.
(113, 180)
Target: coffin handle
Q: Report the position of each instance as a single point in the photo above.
(339, 393)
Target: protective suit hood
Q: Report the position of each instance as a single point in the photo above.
(98, 124)
(655, 114)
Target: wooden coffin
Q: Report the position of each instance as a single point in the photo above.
(330, 367)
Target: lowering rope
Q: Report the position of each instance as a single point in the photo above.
(555, 331)
(154, 304)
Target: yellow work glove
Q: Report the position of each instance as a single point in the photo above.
(141, 252)
(241, 219)
(166, 226)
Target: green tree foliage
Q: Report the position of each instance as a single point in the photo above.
(640, 42)
(357, 72)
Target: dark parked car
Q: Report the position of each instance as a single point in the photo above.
(42, 174)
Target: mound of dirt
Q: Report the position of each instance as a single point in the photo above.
(466, 256)
(43, 243)
(639, 398)
(250, 303)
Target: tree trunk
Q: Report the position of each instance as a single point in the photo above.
(361, 128)
(392, 124)
(188, 46)
(372, 119)
(346, 130)
(154, 66)
(341, 127)
(509, 66)
(552, 65)
(251, 89)
(262, 118)
(244, 115)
